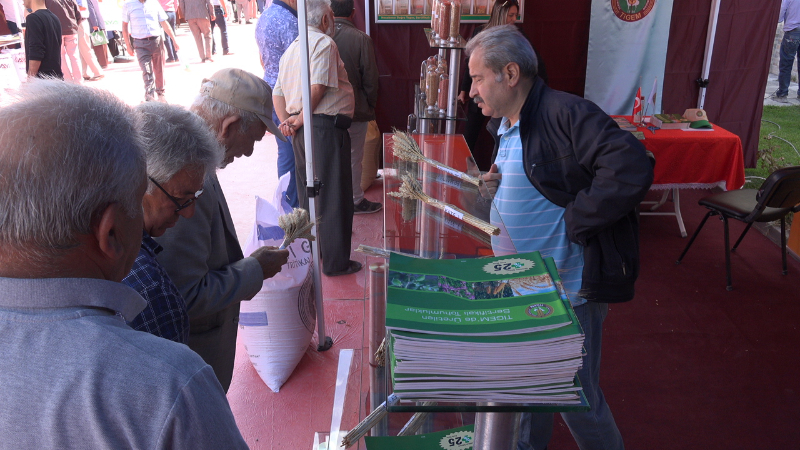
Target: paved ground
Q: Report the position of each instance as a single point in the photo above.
(244, 178)
(772, 86)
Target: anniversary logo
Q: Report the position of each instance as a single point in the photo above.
(632, 10)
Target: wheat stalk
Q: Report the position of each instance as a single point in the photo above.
(365, 425)
(413, 190)
(407, 149)
(296, 225)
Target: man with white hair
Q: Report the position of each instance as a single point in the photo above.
(332, 104)
(570, 182)
(74, 375)
(202, 256)
(181, 153)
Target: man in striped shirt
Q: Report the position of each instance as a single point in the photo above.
(567, 182)
(332, 104)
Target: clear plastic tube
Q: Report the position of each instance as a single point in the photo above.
(455, 20)
(444, 21)
(444, 83)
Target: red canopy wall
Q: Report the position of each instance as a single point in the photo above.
(560, 33)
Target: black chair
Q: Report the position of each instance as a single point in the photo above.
(778, 196)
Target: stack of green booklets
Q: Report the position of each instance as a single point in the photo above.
(491, 329)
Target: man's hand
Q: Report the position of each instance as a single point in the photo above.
(462, 97)
(271, 259)
(290, 126)
(492, 179)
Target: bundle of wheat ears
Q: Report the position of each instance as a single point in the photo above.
(412, 189)
(296, 225)
(407, 149)
(370, 421)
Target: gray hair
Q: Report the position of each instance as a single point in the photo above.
(502, 45)
(316, 10)
(213, 111)
(174, 139)
(66, 153)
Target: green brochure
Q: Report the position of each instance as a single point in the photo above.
(485, 296)
(455, 439)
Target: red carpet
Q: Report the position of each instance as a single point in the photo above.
(687, 364)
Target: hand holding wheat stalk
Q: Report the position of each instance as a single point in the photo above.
(407, 149)
(296, 225)
(412, 189)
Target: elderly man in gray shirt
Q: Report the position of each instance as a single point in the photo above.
(73, 374)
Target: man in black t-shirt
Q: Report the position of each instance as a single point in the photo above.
(42, 41)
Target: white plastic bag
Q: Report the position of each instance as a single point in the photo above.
(277, 324)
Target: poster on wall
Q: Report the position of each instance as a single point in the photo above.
(627, 51)
(419, 11)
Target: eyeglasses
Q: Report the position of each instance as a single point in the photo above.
(175, 200)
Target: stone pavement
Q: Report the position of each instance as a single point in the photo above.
(772, 86)
(244, 178)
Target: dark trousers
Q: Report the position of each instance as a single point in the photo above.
(151, 60)
(790, 45)
(172, 54)
(219, 21)
(334, 204)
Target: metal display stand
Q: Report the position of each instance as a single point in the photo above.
(410, 227)
(426, 123)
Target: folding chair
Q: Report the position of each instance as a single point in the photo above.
(778, 196)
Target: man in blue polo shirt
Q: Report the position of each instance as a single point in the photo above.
(569, 182)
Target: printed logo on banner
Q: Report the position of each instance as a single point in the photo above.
(632, 10)
(540, 310)
(508, 266)
(460, 440)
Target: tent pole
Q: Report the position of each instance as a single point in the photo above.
(366, 17)
(325, 342)
(712, 33)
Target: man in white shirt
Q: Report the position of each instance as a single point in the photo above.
(144, 20)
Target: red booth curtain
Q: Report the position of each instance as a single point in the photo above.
(560, 33)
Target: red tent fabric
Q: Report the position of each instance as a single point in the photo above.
(560, 33)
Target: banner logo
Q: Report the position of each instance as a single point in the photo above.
(508, 266)
(459, 440)
(539, 311)
(632, 10)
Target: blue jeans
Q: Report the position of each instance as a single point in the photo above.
(789, 48)
(286, 164)
(592, 430)
(171, 53)
(219, 20)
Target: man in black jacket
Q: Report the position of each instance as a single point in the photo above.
(567, 182)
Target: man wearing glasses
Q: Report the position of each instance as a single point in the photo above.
(181, 153)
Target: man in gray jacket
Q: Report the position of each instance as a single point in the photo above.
(202, 255)
(74, 375)
(358, 55)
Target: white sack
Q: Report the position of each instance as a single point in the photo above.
(277, 324)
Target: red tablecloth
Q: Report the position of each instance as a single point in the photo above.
(696, 159)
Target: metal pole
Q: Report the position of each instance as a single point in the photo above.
(366, 17)
(325, 342)
(377, 332)
(710, 36)
(496, 431)
(452, 94)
